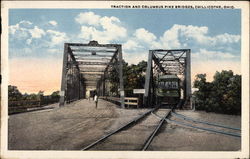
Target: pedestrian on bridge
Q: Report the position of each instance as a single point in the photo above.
(96, 100)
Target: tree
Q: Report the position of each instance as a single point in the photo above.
(133, 77)
(55, 94)
(222, 95)
(14, 93)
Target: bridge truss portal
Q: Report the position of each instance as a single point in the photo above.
(88, 66)
(168, 62)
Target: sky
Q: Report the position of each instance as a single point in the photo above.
(36, 38)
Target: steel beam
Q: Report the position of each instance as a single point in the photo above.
(93, 63)
(89, 50)
(83, 56)
(122, 93)
(188, 76)
(148, 79)
(110, 46)
(64, 75)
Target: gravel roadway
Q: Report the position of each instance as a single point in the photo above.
(78, 124)
(71, 127)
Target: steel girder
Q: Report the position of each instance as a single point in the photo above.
(163, 62)
(88, 65)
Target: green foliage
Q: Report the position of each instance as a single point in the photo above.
(222, 95)
(133, 76)
(55, 94)
(14, 93)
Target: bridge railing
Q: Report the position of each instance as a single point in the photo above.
(129, 101)
(22, 105)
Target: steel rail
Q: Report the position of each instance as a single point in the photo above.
(203, 122)
(119, 129)
(152, 135)
(201, 128)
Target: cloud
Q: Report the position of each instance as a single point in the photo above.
(89, 18)
(53, 23)
(36, 32)
(132, 45)
(144, 35)
(188, 35)
(18, 32)
(56, 37)
(142, 40)
(19, 27)
(103, 29)
(25, 31)
(226, 38)
(205, 55)
(25, 23)
(134, 58)
(25, 34)
(203, 47)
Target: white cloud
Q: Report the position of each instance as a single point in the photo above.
(28, 41)
(141, 40)
(18, 32)
(205, 55)
(13, 28)
(103, 29)
(25, 23)
(53, 23)
(226, 38)
(187, 33)
(196, 38)
(134, 58)
(131, 45)
(182, 35)
(89, 18)
(56, 37)
(144, 35)
(36, 32)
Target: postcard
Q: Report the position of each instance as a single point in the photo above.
(125, 79)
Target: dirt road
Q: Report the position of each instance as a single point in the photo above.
(76, 125)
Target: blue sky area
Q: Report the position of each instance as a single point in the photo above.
(37, 37)
(133, 26)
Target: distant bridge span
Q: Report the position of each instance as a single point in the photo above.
(87, 66)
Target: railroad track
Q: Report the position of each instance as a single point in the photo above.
(132, 136)
(185, 121)
(140, 132)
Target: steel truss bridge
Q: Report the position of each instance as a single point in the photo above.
(168, 62)
(88, 66)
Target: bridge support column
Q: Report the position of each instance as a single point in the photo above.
(64, 76)
(187, 93)
(122, 94)
(147, 87)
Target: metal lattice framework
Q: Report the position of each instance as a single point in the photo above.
(167, 62)
(88, 66)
